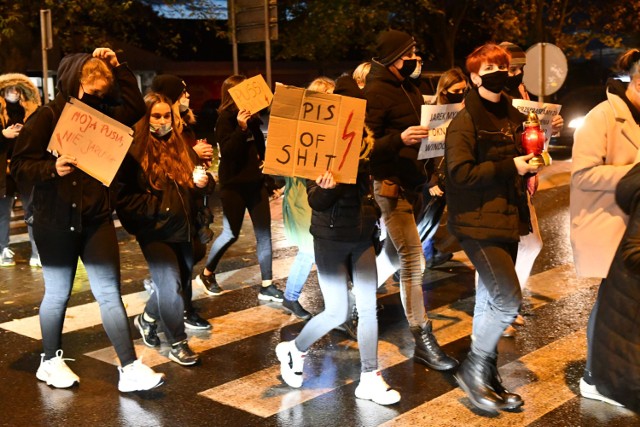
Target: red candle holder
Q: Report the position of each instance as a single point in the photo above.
(533, 139)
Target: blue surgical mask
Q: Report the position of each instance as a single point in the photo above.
(160, 130)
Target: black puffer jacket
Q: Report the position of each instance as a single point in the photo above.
(68, 202)
(485, 195)
(346, 213)
(241, 152)
(616, 336)
(393, 106)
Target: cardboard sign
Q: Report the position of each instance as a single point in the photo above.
(252, 94)
(437, 119)
(98, 142)
(545, 112)
(312, 132)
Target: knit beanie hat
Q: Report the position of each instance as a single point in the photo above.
(168, 85)
(391, 45)
(518, 57)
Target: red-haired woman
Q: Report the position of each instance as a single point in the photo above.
(488, 213)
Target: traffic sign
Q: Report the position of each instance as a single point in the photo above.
(546, 69)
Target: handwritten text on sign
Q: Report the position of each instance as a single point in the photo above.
(544, 111)
(311, 132)
(437, 119)
(252, 94)
(98, 142)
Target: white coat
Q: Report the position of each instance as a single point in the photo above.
(605, 148)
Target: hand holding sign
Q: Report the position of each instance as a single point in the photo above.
(65, 164)
(252, 94)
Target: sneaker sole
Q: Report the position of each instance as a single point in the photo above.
(262, 297)
(595, 395)
(196, 327)
(207, 290)
(128, 388)
(362, 395)
(137, 324)
(282, 353)
(8, 265)
(180, 362)
(45, 378)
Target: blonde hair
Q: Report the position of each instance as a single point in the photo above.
(322, 84)
(95, 69)
(360, 73)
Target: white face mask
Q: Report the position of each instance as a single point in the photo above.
(12, 97)
(184, 104)
(160, 130)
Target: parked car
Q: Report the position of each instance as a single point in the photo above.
(575, 106)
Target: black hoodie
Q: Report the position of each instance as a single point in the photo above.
(69, 202)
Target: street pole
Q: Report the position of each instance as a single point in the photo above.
(234, 39)
(47, 43)
(267, 42)
(543, 82)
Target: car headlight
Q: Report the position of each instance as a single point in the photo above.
(576, 123)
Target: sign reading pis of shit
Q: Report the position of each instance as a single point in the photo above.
(98, 142)
(312, 132)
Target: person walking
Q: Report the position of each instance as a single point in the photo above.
(393, 115)
(72, 216)
(488, 213)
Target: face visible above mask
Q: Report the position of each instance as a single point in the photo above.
(514, 81)
(12, 97)
(494, 82)
(160, 130)
(184, 104)
(411, 68)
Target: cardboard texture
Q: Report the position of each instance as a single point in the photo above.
(252, 94)
(437, 119)
(311, 132)
(545, 112)
(98, 142)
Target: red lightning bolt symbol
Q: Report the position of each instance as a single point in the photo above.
(346, 135)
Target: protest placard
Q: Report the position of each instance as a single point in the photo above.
(312, 132)
(252, 94)
(98, 142)
(545, 112)
(437, 119)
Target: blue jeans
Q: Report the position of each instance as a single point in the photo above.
(170, 265)
(298, 274)
(498, 294)
(235, 202)
(402, 232)
(97, 247)
(337, 262)
(5, 220)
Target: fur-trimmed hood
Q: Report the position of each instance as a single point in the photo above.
(31, 96)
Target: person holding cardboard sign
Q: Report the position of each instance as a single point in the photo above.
(242, 147)
(393, 114)
(72, 216)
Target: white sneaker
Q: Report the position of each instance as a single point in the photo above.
(6, 258)
(373, 387)
(34, 261)
(137, 376)
(55, 372)
(591, 392)
(291, 363)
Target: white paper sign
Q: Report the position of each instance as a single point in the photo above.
(437, 119)
(545, 112)
(98, 142)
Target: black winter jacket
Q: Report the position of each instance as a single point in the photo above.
(616, 336)
(241, 152)
(66, 203)
(485, 195)
(346, 213)
(393, 106)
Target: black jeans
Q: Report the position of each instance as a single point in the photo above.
(235, 201)
(498, 294)
(170, 265)
(97, 247)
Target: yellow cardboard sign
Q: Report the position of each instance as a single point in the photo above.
(252, 94)
(98, 142)
(312, 132)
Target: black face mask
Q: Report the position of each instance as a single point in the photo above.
(513, 82)
(494, 82)
(454, 98)
(92, 100)
(408, 67)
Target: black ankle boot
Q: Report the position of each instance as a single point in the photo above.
(475, 377)
(428, 351)
(511, 400)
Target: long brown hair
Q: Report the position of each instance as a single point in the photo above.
(226, 101)
(163, 158)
